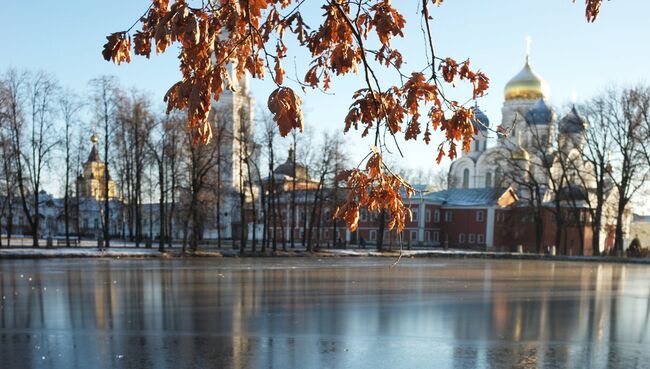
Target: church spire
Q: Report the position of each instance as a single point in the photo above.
(529, 41)
(94, 154)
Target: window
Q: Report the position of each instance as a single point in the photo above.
(481, 239)
(373, 235)
(427, 235)
(461, 238)
(427, 215)
(471, 238)
(86, 223)
(448, 216)
(497, 177)
(414, 236)
(415, 214)
(466, 178)
(436, 216)
(477, 145)
(436, 236)
(364, 215)
(96, 223)
(488, 179)
(479, 215)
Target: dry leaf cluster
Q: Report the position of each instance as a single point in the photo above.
(377, 190)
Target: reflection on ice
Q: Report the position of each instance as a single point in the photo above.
(310, 313)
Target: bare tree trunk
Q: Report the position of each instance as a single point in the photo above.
(271, 202)
(380, 231)
(218, 200)
(242, 203)
(293, 193)
(172, 188)
(250, 188)
(107, 211)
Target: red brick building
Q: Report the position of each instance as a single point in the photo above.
(458, 218)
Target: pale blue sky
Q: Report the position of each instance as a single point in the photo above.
(66, 37)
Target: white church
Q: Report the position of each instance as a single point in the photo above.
(527, 132)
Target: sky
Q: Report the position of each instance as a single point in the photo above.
(65, 38)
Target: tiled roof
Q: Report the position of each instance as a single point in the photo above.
(641, 218)
(94, 155)
(467, 196)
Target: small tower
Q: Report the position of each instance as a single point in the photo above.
(92, 183)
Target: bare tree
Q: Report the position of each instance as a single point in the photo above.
(105, 97)
(6, 183)
(7, 174)
(173, 152)
(134, 123)
(31, 158)
(200, 166)
(248, 156)
(157, 149)
(70, 105)
(594, 176)
(220, 137)
(271, 214)
(624, 111)
(328, 154)
(515, 168)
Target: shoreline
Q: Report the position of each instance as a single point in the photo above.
(153, 253)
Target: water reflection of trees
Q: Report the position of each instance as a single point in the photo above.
(78, 314)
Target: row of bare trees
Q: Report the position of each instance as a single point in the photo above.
(157, 168)
(29, 105)
(44, 131)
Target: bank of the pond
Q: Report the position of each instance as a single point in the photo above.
(143, 253)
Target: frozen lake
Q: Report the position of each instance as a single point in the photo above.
(323, 313)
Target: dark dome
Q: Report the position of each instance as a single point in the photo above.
(572, 123)
(481, 122)
(539, 114)
(287, 168)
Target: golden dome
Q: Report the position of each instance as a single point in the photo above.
(94, 138)
(526, 85)
(520, 154)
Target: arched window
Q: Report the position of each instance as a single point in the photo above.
(466, 178)
(497, 177)
(488, 179)
(477, 145)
